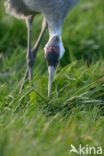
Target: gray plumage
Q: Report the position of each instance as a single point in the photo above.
(55, 11)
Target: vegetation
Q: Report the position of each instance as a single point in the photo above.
(31, 124)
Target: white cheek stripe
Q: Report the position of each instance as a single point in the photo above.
(62, 49)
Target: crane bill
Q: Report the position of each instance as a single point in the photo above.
(51, 71)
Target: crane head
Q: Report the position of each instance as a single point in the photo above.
(54, 50)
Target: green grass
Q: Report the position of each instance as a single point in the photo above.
(31, 124)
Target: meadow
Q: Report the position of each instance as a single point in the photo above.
(31, 124)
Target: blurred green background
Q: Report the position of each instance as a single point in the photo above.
(31, 124)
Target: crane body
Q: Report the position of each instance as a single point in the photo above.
(54, 12)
